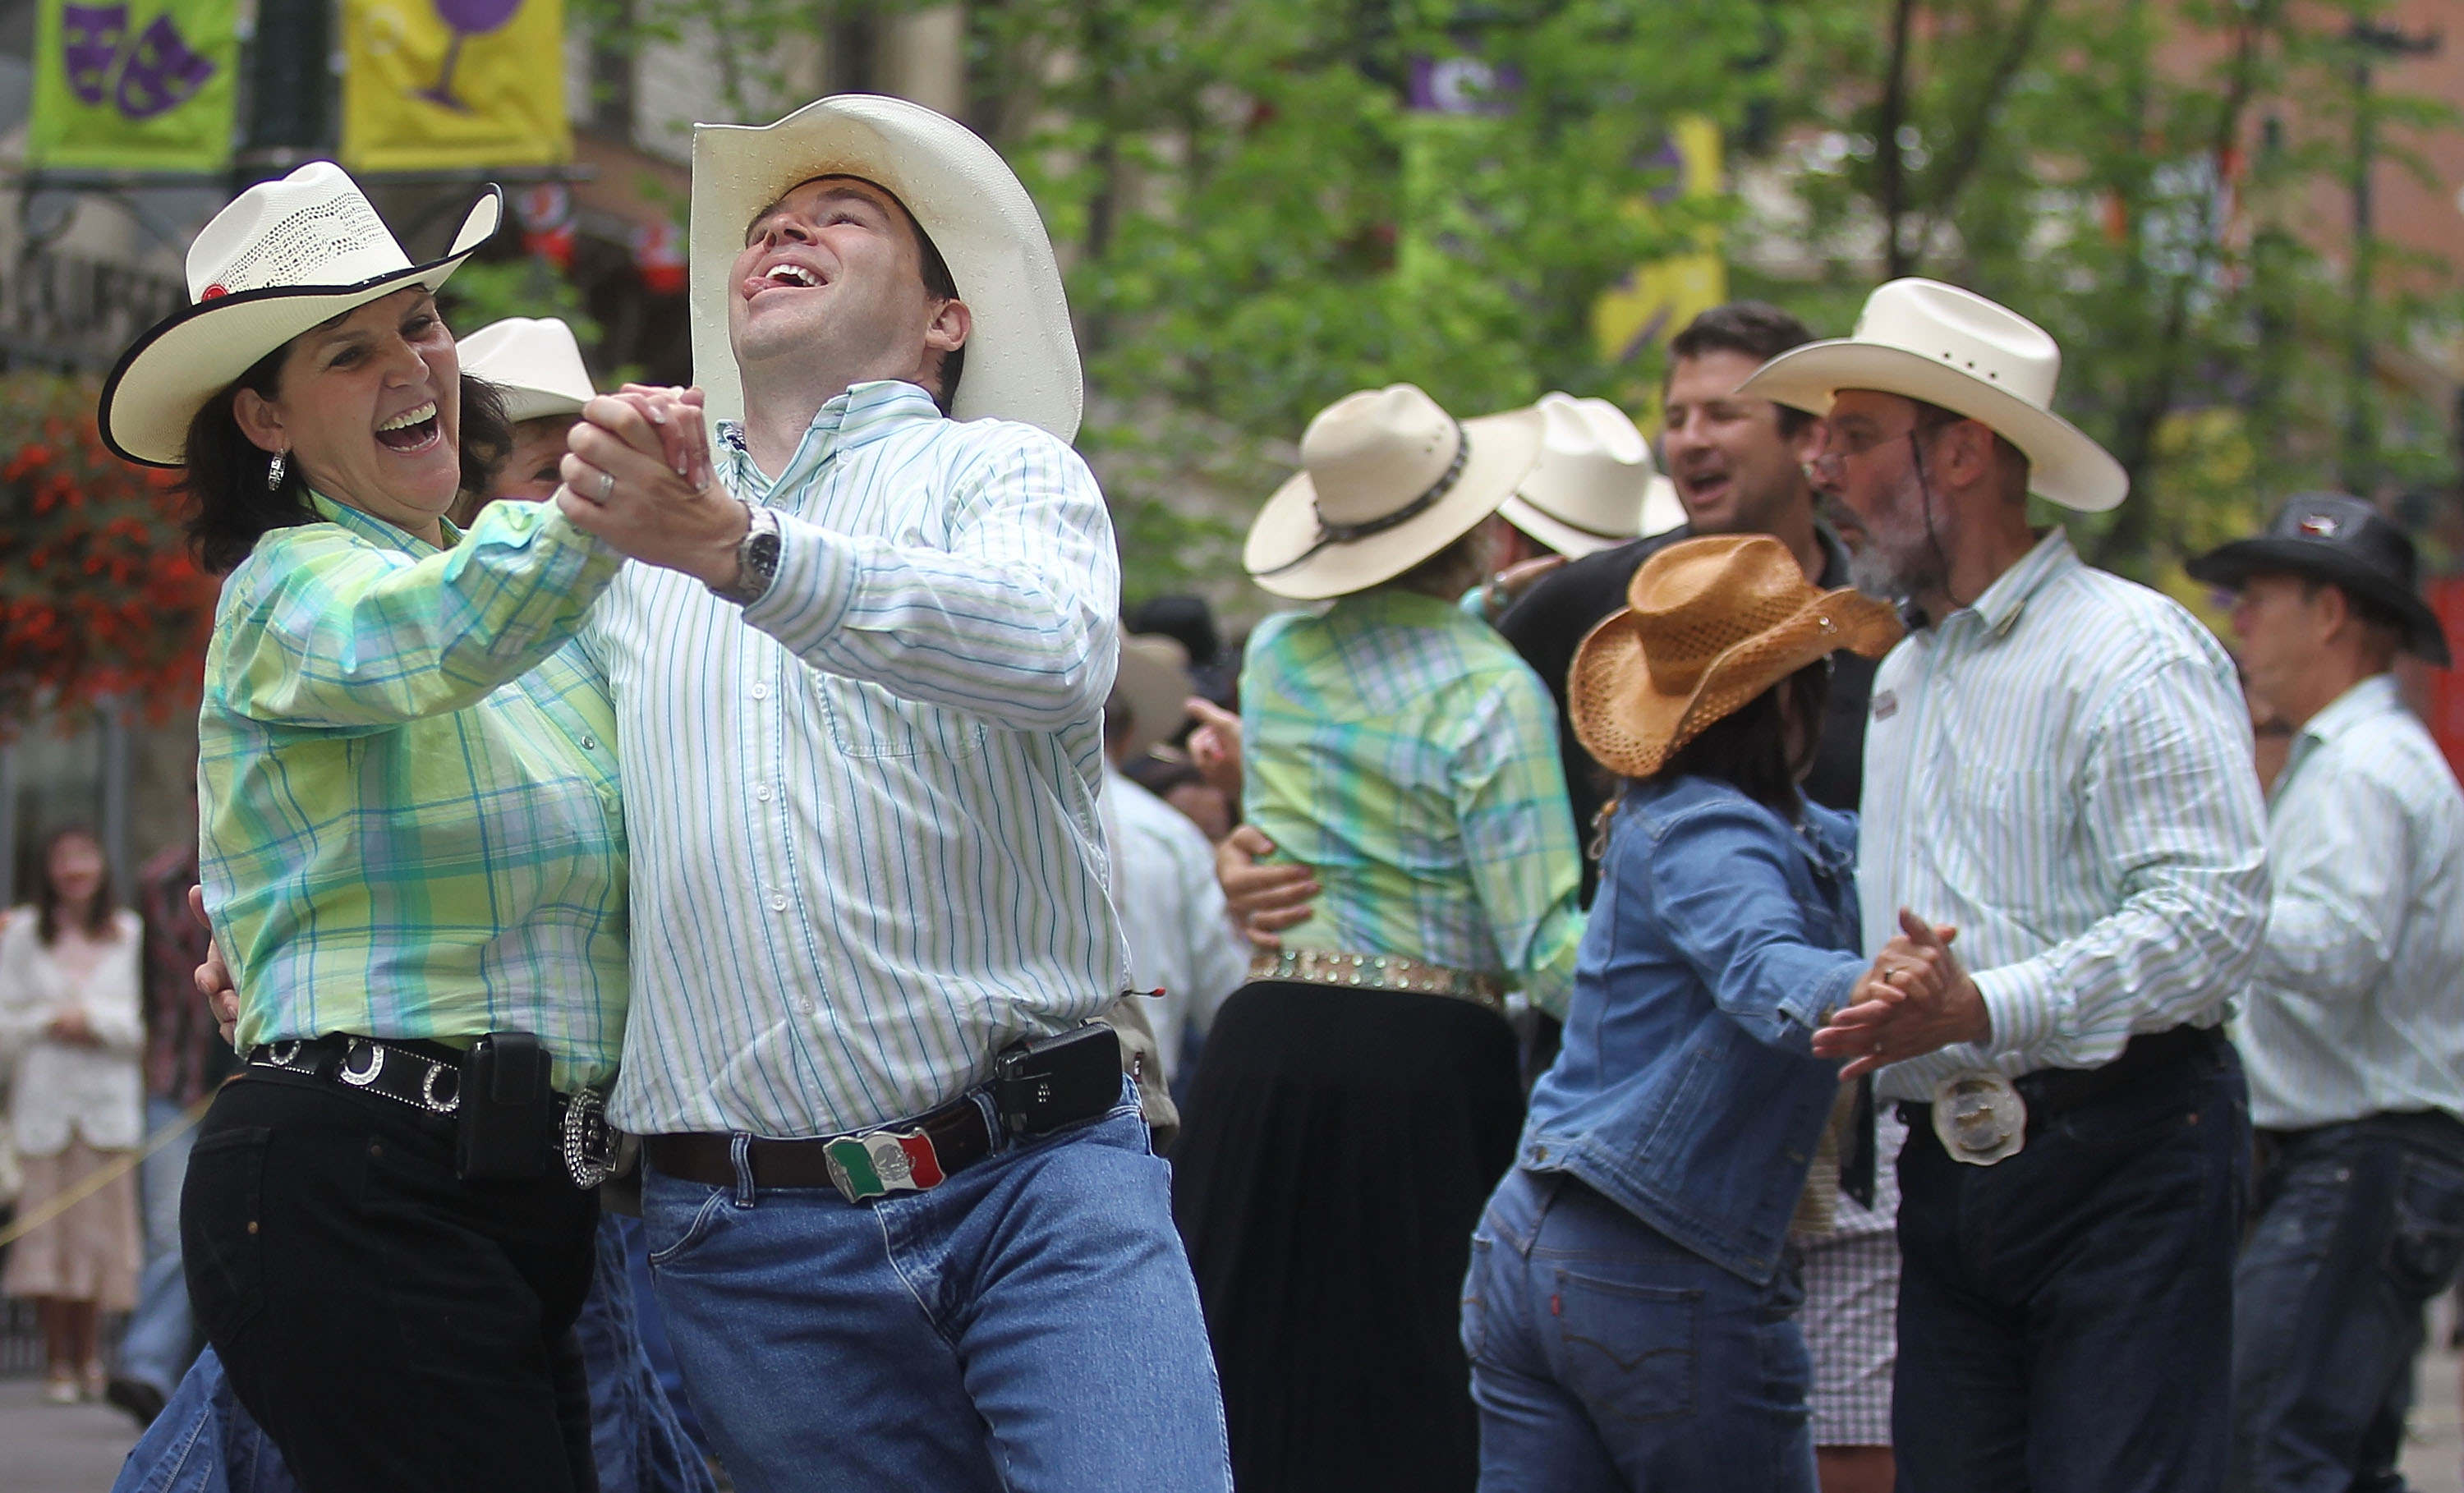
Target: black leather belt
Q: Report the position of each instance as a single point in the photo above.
(908, 1156)
(427, 1076)
(2052, 1092)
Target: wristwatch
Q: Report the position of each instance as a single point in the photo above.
(756, 558)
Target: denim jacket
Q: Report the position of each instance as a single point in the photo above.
(1686, 1090)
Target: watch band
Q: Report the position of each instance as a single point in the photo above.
(756, 558)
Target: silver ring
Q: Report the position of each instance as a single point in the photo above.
(606, 486)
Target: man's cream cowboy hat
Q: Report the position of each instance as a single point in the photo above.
(1153, 682)
(1592, 487)
(1387, 480)
(1952, 347)
(1022, 355)
(534, 361)
(283, 257)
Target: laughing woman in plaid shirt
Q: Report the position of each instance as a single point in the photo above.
(1359, 1097)
(400, 859)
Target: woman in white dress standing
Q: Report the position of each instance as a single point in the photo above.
(72, 1029)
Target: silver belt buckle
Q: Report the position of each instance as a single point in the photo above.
(1980, 1117)
(585, 1144)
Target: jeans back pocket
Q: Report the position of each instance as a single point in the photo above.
(222, 1241)
(2427, 1242)
(1627, 1352)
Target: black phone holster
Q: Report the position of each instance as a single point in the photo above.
(1054, 1081)
(508, 1110)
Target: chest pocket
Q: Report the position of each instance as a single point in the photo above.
(2012, 829)
(870, 723)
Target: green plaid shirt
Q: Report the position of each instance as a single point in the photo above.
(392, 843)
(1403, 750)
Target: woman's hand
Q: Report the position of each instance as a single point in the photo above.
(638, 474)
(1214, 746)
(69, 1026)
(1915, 999)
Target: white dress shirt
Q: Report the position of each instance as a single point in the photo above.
(2062, 771)
(1172, 912)
(2357, 1003)
(67, 1089)
(863, 811)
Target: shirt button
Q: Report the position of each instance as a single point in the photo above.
(763, 793)
(589, 745)
(762, 691)
(778, 904)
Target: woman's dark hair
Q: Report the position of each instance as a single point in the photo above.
(48, 907)
(225, 469)
(1748, 748)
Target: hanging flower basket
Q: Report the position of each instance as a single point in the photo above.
(99, 598)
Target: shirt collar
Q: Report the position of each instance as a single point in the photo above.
(865, 413)
(1998, 608)
(375, 530)
(1400, 608)
(2374, 696)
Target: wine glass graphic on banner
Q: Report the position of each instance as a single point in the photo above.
(467, 18)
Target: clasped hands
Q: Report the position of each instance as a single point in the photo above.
(1916, 998)
(638, 474)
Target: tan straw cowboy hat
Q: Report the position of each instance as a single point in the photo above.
(1594, 486)
(1022, 355)
(1387, 480)
(1708, 625)
(1951, 348)
(285, 256)
(534, 361)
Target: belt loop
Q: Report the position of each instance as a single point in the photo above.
(739, 1155)
(984, 1102)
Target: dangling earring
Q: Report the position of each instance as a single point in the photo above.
(274, 473)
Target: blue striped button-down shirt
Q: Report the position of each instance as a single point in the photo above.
(863, 811)
(2357, 1003)
(2063, 770)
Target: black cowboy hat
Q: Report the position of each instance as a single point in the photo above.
(2343, 540)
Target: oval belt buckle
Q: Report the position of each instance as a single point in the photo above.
(1980, 1117)
(588, 1144)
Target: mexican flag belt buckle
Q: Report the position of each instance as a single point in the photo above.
(881, 1162)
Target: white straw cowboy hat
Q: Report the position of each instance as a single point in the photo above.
(1708, 625)
(534, 363)
(283, 257)
(1022, 356)
(1153, 682)
(1952, 347)
(1387, 480)
(1592, 488)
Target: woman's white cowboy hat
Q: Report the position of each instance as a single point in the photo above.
(1022, 355)
(1387, 480)
(283, 257)
(1594, 486)
(535, 364)
(1952, 347)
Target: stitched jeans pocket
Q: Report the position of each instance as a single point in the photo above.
(2427, 1242)
(1627, 1352)
(221, 1239)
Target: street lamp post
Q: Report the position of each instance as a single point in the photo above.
(2369, 41)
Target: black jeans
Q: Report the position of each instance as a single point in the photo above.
(2358, 1225)
(2066, 1315)
(390, 1327)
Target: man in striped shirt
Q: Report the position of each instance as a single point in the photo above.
(2057, 772)
(2354, 1029)
(860, 714)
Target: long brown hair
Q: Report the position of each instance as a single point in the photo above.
(48, 905)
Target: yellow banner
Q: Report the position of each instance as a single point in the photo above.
(434, 84)
(1654, 303)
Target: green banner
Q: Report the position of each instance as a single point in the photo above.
(137, 85)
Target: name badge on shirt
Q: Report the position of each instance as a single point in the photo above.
(1886, 705)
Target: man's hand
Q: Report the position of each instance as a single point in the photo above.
(1215, 746)
(1915, 999)
(1266, 899)
(637, 474)
(1507, 587)
(214, 977)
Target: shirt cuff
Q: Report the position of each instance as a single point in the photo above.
(813, 589)
(2021, 1002)
(1825, 996)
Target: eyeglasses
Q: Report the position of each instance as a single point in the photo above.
(1842, 444)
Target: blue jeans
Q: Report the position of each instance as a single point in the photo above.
(1031, 1323)
(2066, 1315)
(161, 1338)
(2359, 1226)
(205, 1441)
(1605, 1355)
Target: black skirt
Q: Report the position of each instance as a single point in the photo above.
(1336, 1152)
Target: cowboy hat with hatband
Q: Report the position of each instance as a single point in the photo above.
(1708, 625)
(1594, 486)
(283, 259)
(1022, 355)
(1946, 346)
(534, 363)
(1153, 683)
(2343, 539)
(1387, 479)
